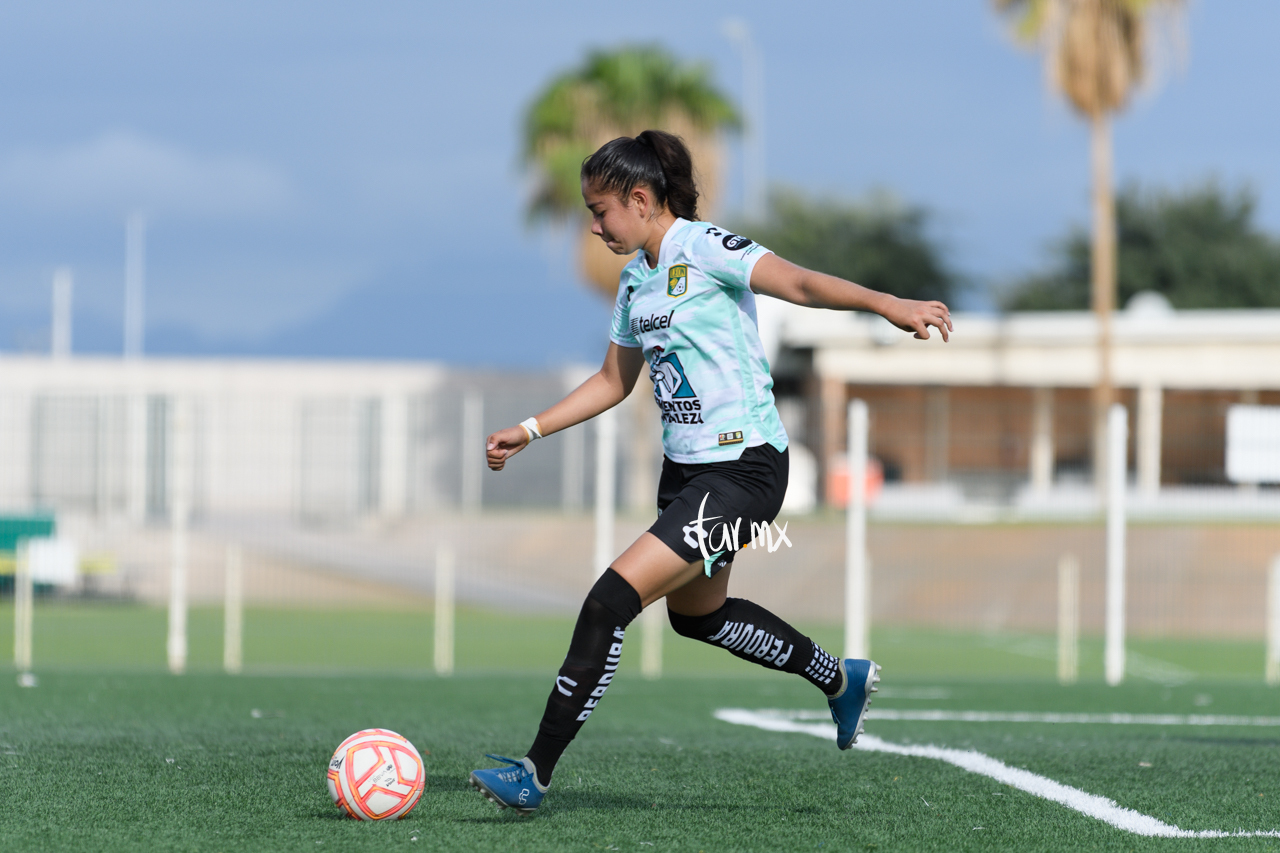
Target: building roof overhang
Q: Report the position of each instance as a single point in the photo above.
(1203, 349)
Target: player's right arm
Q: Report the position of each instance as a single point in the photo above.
(603, 390)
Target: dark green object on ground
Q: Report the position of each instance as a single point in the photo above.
(14, 529)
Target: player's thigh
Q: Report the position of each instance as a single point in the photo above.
(653, 569)
(702, 595)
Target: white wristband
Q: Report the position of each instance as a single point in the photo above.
(531, 427)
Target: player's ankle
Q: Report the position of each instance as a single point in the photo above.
(838, 685)
(542, 783)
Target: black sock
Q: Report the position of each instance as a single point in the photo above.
(752, 633)
(588, 668)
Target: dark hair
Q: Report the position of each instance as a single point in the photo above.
(655, 158)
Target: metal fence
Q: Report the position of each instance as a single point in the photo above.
(319, 505)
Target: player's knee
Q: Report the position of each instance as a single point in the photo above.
(697, 627)
(685, 626)
(615, 594)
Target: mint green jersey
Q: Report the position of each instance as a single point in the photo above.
(695, 318)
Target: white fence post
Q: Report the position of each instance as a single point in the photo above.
(1150, 408)
(606, 486)
(233, 611)
(444, 610)
(1117, 457)
(857, 628)
(23, 601)
(651, 627)
(136, 452)
(473, 449)
(1273, 623)
(1068, 619)
(1041, 441)
(573, 447)
(179, 515)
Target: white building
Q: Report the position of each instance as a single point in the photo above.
(1003, 407)
(1007, 400)
(310, 439)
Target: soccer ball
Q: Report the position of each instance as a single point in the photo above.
(375, 774)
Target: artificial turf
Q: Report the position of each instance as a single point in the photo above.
(85, 755)
(80, 634)
(146, 761)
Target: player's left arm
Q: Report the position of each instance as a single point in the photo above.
(774, 276)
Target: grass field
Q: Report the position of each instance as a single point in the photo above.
(110, 753)
(137, 761)
(128, 636)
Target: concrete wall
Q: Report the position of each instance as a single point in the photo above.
(318, 440)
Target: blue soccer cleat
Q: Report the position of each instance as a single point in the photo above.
(849, 706)
(514, 787)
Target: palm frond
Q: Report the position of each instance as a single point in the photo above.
(1095, 50)
(614, 93)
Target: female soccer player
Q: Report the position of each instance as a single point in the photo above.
(686, 306)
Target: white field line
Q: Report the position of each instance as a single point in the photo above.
(1100, 808)
(1029, 717)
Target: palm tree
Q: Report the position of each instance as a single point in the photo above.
(1095, 55)
(618, 93)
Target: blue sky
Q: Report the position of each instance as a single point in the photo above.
(332, 179)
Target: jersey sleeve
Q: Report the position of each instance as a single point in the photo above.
(726, 257)
(620, 330)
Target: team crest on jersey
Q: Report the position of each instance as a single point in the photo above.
(677, 280)
(672, 392)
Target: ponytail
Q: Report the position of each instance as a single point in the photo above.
(655, 158)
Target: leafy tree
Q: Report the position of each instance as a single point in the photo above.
(618, 93)
(1199, 248)
(879, 243)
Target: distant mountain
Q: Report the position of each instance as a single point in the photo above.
(456, 318)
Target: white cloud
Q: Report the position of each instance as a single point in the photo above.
(122, 171)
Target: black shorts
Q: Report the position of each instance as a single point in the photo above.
(744, 490)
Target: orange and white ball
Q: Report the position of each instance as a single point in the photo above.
(375, 774)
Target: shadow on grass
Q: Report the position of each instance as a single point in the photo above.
(569, 802)
(431, 784)
(504, 816)
(335, 814)
(445, 782)
(575, 801)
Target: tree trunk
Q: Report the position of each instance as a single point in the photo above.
(1103, 271)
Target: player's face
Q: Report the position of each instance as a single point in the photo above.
(621, 226)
